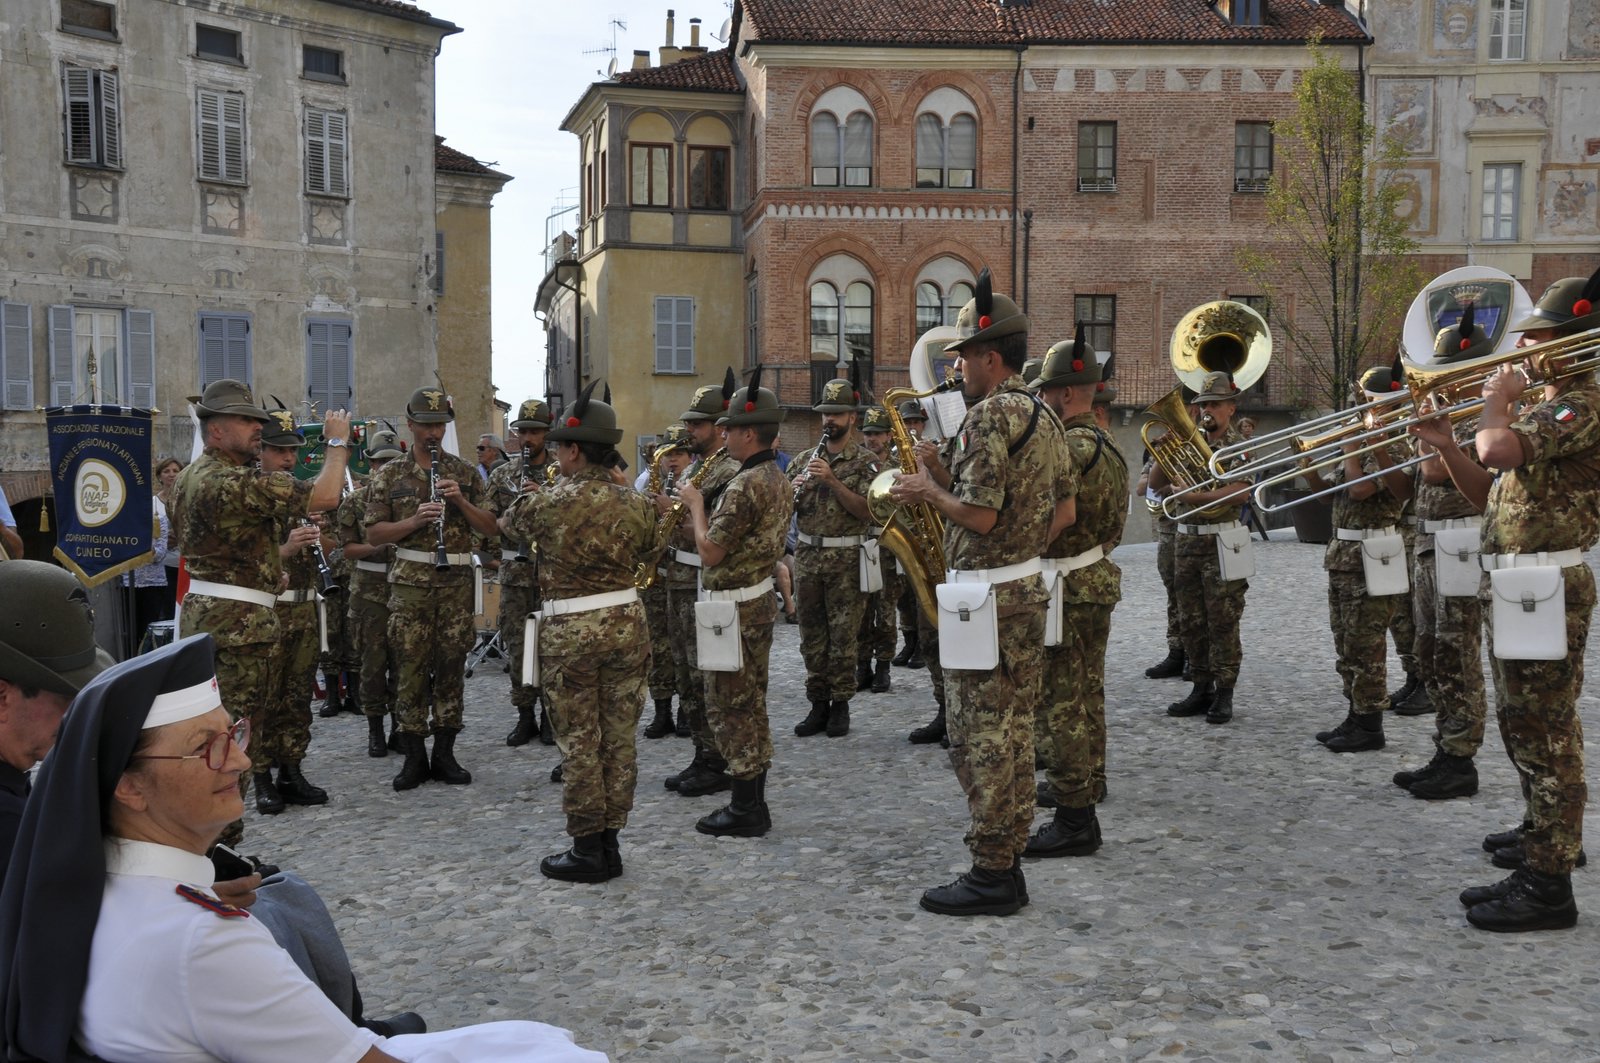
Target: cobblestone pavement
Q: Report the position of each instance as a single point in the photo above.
(1257, 898)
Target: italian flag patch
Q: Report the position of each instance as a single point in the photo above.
(1565, 413)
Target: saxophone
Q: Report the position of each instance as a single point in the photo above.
(645, 574)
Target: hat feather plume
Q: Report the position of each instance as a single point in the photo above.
(581, 406)
(983, 292)
(1466, 321)
(730, 384)
(1077, 342)
(755, 384)
(606, 398)
(1397, 368)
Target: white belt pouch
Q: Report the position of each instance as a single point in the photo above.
(1052, 609)
(969, 626)
(1383, 558)
(1235, 556)
(1455, 562)
(871, 567)
(716, 637)
(1530, 613)
(530, 651)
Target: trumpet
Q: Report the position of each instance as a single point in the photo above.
(441, 557)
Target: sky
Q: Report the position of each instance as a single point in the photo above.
(503, 86)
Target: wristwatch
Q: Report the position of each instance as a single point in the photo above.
(335, 441)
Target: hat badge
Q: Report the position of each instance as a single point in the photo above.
(433, 397)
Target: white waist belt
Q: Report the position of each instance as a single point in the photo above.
(741, 594)
(421, 558)
(1076, 561)
(831, 540)
(1559, 558)
(237, 594)
(1004, 574)
(1428, 527)
(1356, 535)
(1206, 529)
(373, 566)
(563, 606)
(297, 597)
(685, 557)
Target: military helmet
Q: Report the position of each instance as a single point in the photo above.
(47, 629)
(430, 406)
(1571, 304)
(282, 430)
(876, 419)
(587, 420)
(1069, 363)
(987, 316)
(228, 397)
(754, 404)
(838, 396)
(711, 402)
(534, 413)
(383, 445)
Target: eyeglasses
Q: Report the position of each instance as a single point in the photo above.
(216, 751)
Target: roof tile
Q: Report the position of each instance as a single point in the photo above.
(712, 72)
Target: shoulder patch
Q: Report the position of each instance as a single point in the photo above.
(1565, 413)
(211, 904)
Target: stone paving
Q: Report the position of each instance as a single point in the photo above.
(1257, 898)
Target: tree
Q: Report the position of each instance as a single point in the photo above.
(1338, 241)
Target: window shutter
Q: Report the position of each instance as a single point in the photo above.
(316, 152)
(317, 361)
(141, 359)
(858, 140)
(963, 142)
(233, 136)
(330, 366)
(77, 88)
(209, 123)
(325, 153)
(213, 348)
(236, 349)
(16, 355)
(824, 140)
(338, 182)
(62, 385)
(930, 142)
(438, 262)
(664, 321)
(111, 118)
(683, 336)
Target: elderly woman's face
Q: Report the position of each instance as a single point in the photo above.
(185, 803)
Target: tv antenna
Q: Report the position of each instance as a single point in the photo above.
(609, 49)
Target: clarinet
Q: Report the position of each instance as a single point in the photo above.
(324, 573)
(800, 483)
(523, 485)
(441, 559)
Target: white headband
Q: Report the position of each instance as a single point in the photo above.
(178, 705)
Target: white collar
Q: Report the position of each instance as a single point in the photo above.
(150, 860)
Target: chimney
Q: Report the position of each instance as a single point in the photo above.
(669, 27)
(694, 33)
(641, 59)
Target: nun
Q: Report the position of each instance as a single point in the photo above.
(113, 945)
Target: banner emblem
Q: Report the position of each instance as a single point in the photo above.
(101, 493)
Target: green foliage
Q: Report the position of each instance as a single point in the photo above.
(1337, 243)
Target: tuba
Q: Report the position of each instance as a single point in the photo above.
(1221, 336)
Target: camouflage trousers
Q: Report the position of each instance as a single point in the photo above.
(1072, 711)
(340, 654)
(1360, 624)
(876, 639)
(990, 723)
(1209, 609)
(515, 605)
(595, 701)
(663, 680)
(1167, 568)
(691, 682)
(1537, 706)
(369, 632)
(1449, 645)
(828, 586)
(928, 646)
(244, 672)
(736, 702)
(430, 632)
(905, 599)
(286, 724)
(1403, 625)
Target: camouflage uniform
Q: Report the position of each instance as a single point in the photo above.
(1403, 624)
(519, 590)
(591, 535)
(1360, 621)
(340, 656)
(286, 726)
(750, 522)
(990, 713)
(876, 640)
(430, 612)
(1166, 531)
(1209, 607)
(1073, 708)
(828, 578)
(369, 611)
(1551, 502)
(682, 583)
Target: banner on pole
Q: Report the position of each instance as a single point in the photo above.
(100, 472)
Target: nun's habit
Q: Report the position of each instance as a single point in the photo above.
(117, 950)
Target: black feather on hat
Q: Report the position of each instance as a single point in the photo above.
(606, 398)
(1591, 295)
(279, 401)
(1463, 328)
(855, 378)
(1077, 348)
(755, 384)
(580, 405)
(984, 293)
(1107, 366)
(1397, 368)
(730, 384)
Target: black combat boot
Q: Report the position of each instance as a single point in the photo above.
(1454, 777)
(1022, 883)
(916, 660)
(662, 725)
(1169, 667)
(1358, 734)
(295, 790)
(330, 700)
(1416, 703)
(746, 816)
(559, 772)
(1502, 839)
(1044, 796)
(444, 766)
(1348, 722)
(1404, 779)
(671, 782)
(1408, 688)
(838, 719)
(394, 734)
(415, 770)
(1073, 832)
(1514, 856)
(881, 680)
(584, 862)
(608, 840)
(929, 732)
(376, 746)
(978, 892)
(352, 693)
(1221, 708)
(712, 777)
(903, 658)
(816, 720)
(268, 801)
(527, 726)
(683, 728)
(1196, 704)
(1475, 895)
(547, 730)
(1536, 901)
(864, 676)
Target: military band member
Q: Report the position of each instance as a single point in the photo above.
(937, 459)
(875, 646)
(224, 519)
(1175, 664)
(594, 651)
(430, 610)
(830, 502)
(1411, 697)
(911, 654)
(369, 601)
(518, 582)
(1010, 469)
(1073, 705)
(671, 458)
(739, 540)
(1544, 511)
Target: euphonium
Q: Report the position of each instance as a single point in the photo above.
(645, 573)
(913, 533)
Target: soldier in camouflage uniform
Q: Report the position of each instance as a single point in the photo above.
(830, 502)
(430, 611)
(339, 663)
(1543, 509)
(875, 643)
(1010, 468)
(1175, 663)
(671, 458)
(518, 568)
(594, 651)
(911, 654)
(1073, 706)
(1411, 698)
(937, 458)
(1360, 620)
(1209, 607)
(712, 470)
(739, 541)
(369, 601)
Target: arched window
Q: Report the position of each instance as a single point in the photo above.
(841, 332)
(947, 140)
(841, 151)
(940, 306)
